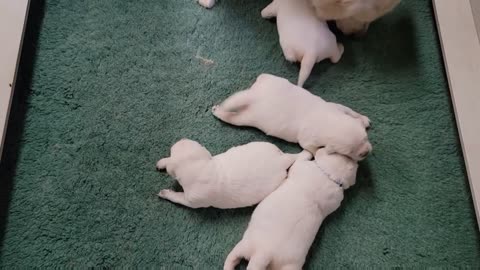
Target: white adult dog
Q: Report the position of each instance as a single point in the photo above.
(303, 37)
(240, 177)
(284, 225)
(284, 110)
(353, 16)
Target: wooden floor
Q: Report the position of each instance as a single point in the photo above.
(13, 15)
(458, 23)
(476, 14)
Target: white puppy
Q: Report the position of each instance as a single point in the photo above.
(303, 37)
(283, 110)
(353, 16)
(206, 3)
(284, 225)
(240, 177)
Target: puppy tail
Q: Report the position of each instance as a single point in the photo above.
(234, 257)
(237, 102)
(306, 66)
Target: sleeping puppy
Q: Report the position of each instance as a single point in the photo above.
(284, 225)
(240, 177)
(353, 16)
(303, 37)
(283, 110)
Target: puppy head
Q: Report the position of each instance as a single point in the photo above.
(349, 139)
(340, 166)
(189, 150)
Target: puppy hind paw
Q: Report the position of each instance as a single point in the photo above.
(164, 193)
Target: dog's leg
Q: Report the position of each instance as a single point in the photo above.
(365, 120)
(236, 102)
(258, 262)
(234, 118)
(162, 163)
(352, 26)
(306, 66)
(207, 3)
(291, 267)
(234, 256)
(302, 156)
(177, 197)
(270, 11)
(337, 54)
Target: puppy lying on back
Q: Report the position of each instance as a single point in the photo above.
(284, 225)
(303, 37)
(353, 16)
(240, 177)
(283, 110)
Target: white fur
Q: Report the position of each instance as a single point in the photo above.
(283, 110)
(240, 177)
(353, 16)
(207, 3)
(303, 37)
(284, 225)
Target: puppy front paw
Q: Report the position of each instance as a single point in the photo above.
(365, 121)
(164, 193)
(162, 164)
(206, 3)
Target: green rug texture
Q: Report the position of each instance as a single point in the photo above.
(106, 87)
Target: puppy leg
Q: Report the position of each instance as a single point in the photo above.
(270, 11)
(306, 66)
(337, 53)
(291, 267)
(258, 262)
(365, 120)
(304, 156)
(352, 26)
(234, 257)
(234, 118)
(162, 163)
(236, 102)
(206, 3)
(178, 197)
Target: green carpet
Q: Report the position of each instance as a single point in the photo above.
(107, 86)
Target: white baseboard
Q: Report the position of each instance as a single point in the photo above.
(461, 53)
(13, 17)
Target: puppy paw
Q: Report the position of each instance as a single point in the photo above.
(365, 121)
(215, 108)
(341, 48)
(164, 193)
(162, 164)
(206, 3)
